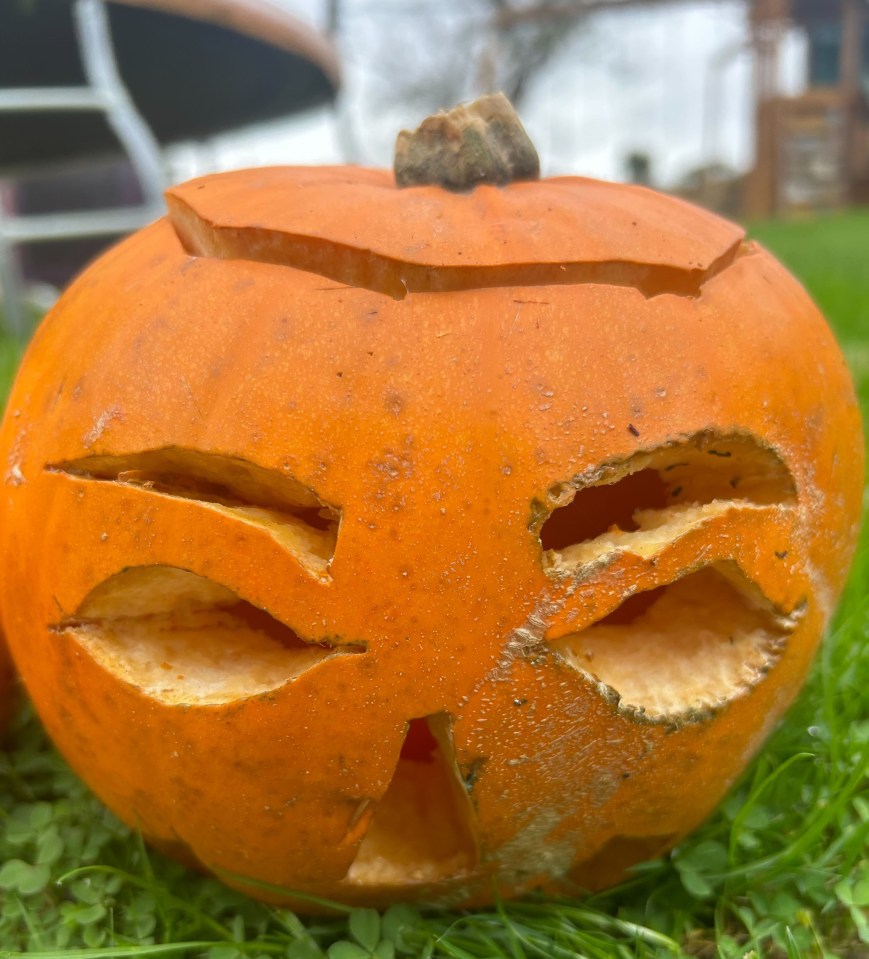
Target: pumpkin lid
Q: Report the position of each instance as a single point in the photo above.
(358, 227)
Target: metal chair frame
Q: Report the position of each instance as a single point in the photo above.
(104, 92)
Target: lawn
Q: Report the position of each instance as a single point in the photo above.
(780, 870)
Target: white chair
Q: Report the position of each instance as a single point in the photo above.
(228, 63)
(105, 93)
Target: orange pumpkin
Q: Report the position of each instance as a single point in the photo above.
(389, 543)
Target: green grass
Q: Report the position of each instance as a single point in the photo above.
(831, 257)
(10, 354)
(780, 870)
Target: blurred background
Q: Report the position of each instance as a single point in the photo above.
(756, 108)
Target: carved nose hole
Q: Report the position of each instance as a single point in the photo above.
(420, 746)
(704, 640)
(183, 638)
(596, 509)
(423, 828)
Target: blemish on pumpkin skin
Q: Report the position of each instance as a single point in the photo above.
(539, 512)
(394, 403)
(393, 466)
(472, 773)
(531, 851)
(14, 475)
(189, 264)
(282, 332)
(103, 421)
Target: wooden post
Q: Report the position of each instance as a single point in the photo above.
(766, 20)
(850, 69)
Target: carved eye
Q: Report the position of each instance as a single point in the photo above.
(184, 637)
(691, 631)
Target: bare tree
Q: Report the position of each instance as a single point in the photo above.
(410, 58)
(524, 37)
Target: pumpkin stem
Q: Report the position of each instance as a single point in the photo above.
(479, 142)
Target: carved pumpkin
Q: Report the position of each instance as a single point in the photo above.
(400, 543)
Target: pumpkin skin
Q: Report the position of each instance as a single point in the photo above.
(396, 544)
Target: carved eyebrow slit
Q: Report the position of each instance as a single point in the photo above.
(184, 639)
(275, 502)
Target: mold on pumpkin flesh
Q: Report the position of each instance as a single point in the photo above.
(397, 544)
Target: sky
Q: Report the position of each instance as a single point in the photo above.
(673, 81)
